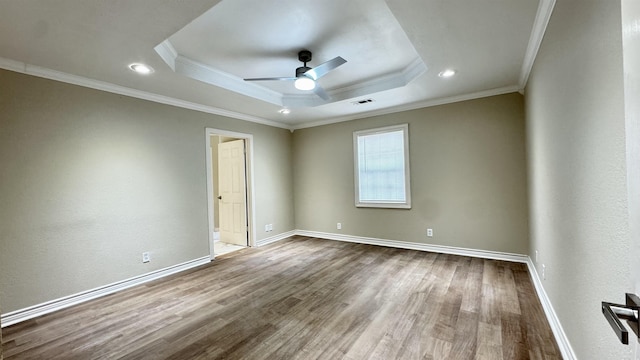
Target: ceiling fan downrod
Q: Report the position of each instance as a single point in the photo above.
(304, 56)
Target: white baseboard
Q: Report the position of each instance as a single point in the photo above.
(31, 312)
(54, 305)
(561, 337)
(556, 327)
(486, 254)
(275, 238)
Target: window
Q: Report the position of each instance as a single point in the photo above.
(382, 167)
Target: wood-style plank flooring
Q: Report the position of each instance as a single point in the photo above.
(306, 298)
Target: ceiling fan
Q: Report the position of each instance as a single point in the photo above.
(306, 77)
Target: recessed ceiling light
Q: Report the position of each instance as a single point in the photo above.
(447, 73)
(141, 68)
(284, 111)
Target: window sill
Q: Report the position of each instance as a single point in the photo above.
(383, 205)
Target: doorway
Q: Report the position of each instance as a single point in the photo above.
(229, 191)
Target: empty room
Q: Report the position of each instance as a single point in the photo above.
(386, 179)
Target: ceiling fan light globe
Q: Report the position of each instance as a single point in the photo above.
(305, 83)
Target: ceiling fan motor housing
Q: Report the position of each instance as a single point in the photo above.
(301, 70)
(304, 56)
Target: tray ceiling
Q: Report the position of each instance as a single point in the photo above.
(202, 49)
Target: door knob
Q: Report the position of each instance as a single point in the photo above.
(614, 312)
(220, 197)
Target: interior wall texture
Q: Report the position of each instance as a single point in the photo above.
(577, 172)
(89, 180)
(631, 55)
(468, 177)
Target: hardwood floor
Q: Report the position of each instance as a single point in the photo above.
(306, 298)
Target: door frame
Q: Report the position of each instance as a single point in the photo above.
(248, 138)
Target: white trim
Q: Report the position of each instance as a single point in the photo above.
(272, 239)
(545, 9)
(561, 337)
(168, 53)
(13, 65)
(406, 204)
(38, 71)
(486, 254)
(210, 201)
(412, 106)
(390, 81)
(197, 70)
(31, 312)
(554, 322)
(251, 195)
(21, 67)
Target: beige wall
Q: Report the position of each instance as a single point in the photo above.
(90, 180)
(273, 184)
(468, 177)
(577, 168)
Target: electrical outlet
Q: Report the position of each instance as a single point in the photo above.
(146, 257)
(430, 232)
(266, 228)
(339, 226)
(270, 227)
(544, 275)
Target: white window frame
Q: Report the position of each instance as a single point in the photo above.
(407, 179)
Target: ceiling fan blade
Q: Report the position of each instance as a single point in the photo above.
(272, 79)
(322, 69)
(318, 90)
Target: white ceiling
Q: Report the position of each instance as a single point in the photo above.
(202, 49)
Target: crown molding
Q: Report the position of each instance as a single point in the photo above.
(21, 67)
(412, 106)
(168, 53)
(194, 69)
(198, 71)
(545, 9)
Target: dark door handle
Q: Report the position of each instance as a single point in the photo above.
(219, 197)
(614, 312)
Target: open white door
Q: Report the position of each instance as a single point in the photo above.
(233, 192)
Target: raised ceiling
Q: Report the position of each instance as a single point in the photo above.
(263, 42)
(201, 50)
